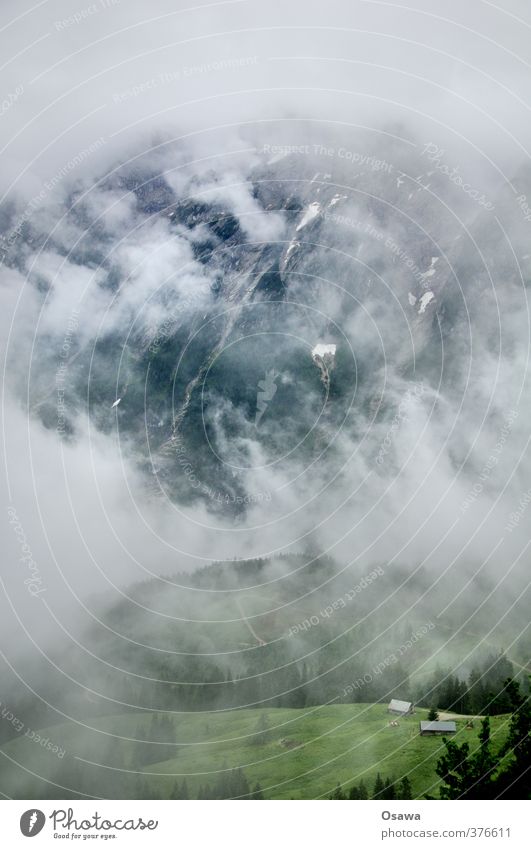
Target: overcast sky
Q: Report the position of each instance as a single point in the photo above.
(96, 84)
(457, 71)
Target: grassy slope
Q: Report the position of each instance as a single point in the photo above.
(341, 743)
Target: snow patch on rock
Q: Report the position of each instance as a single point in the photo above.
(322, 350)
(424, 301)
(336, 199)
(311, 212)
(431, 270)
(323, 355)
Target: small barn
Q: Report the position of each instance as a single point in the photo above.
(439, 727)
(400, 708)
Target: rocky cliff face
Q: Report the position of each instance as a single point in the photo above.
(213, 294)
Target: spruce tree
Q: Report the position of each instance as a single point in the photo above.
(514, 782)
(467, 776)
(338, 793)
(261, 735)
(389, 791)
(363, 791)
(378, 787)
(405, 788)
(257, 791)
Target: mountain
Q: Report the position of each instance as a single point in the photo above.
(202, 359)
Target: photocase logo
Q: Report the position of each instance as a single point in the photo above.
(267, 389)
(32, 822)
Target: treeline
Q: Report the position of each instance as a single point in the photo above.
(368, 661)
(384, 788)
(154, 742)
(485, 773)
(481, 773)
(482, 692)
(269, 679)
(73, 781)
(231, 784)
(269, 676)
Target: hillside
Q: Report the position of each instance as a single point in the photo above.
(305, 754)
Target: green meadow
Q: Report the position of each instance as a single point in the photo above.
(301, 754)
